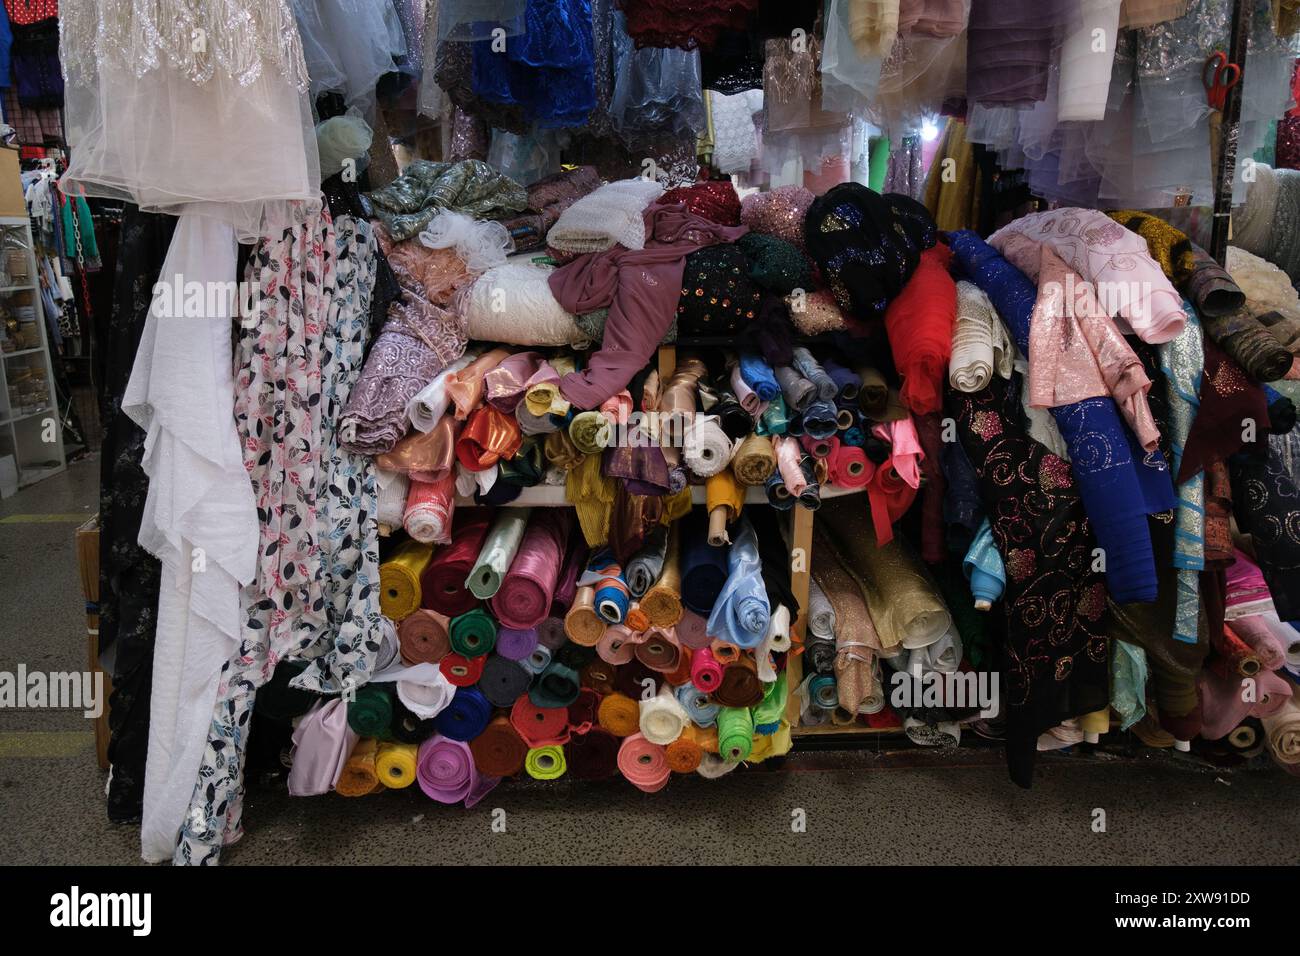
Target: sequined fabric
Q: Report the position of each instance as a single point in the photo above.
(408, 203)
(780, 212)
(1266, 503)
(718, 296)
(666, 23)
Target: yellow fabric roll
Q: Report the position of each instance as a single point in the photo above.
(583, 625)
(560, 450)
(771, 745)
(663, 602)
(1098, 722)
(545, 763)
(592, 497)
(619, 714)
(707, 738)
(754, 461)
(902, 599)
(396, 764)
(724, 498)
(359, 776)
(399, 579)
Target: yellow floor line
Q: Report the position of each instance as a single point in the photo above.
(44, 519)
(40, 743)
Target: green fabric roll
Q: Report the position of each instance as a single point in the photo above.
(473, 633)
(497, 553)
(877, 163)
(767, 715)
(370, 713)
(735, 733)
(590, 432)
(545, 763)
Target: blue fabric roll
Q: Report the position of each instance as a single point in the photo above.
(983, 566)
(823, 692)
(778, 495)
(466, 716)
(704, 567)
(855, 436)
(758, 375)
(703, 712)
(847, 383)
(741, 613)
(821, 419)
(809, 368)
(536, 662)
(1119, 483)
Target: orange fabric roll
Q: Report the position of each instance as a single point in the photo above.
(706, 737)
(619, 714)
(636, 619)
(465, 388)
(359, 776)
(682, 674)
(725, 653)
(488, 437)
(684, 754)
(582, 624)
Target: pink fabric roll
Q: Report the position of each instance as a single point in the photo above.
(905, 452)
(1247, 592)
(643, 764)
(429, 508)
(850, 467)
(819, 447)
(618, 644)
(659, 649)
(524, 598)
(1223, 708)
(505, 385)
(788, 453)
(692, 631)
(747, 397)
(322, 743)
(1255, 631)
(617, 407)
(706, 672)
(445, 769)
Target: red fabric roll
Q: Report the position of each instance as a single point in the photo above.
(890, 497)
(919, 323)
(592, 756)
(499, 751)
(849, 467)
(524, 598)
(442, 586)
(462, 671)
(489, 436)
(539, 726)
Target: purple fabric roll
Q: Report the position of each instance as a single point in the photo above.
(516, 643)
(445, 769)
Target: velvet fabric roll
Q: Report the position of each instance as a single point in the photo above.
(704, 567)
(692, 631)
(370, 712)
(647, 564)
(598, 676)
(556, 686)
(740, 612)
(462, 671)
(408, 727)
(582, 623)
(472, 634)
(503, 680)
(359, 776)
(684, 754)
(442, 585)
(740, 686)
(643, 764)
(735, 733)
(619, 714)
(395, 765)
(423, 637)
(539, 726)
(399, 579)
(497, 552)
(524, 596)
(659, 650)
(445, 769)
(592, 756)
(516, 644)
(466, 716)
(499, 751)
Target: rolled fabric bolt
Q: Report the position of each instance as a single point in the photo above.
(429, 405)
(706, 449)
(788, 456)
(704, 570)
(497, 552)
(390, 508)
(1233, 657)
(818, 447)
(850, 467)
(823, 692)
(557, 686)
(618, 644)
(662, 603)
(503, 680)
(699, 707)
(442, 586)
(847, 383)
(539, 726)
(1245, 736)
(516, 644)
(423, 638)
(758, 376)
(619, 714)
(647, 564)
(598, 676)
(769, 712)
(611, 597)
(692, 631)
(591, 432)
(741, 612)
(724, 653)
(389, 647)
(526, 591)
(445, 769)
(778, 630)
(462, 671)
(811, 369)
(684, 754)
(466, 716)
(637, 619)
(735, 733)
(582, 624)
(399, 579)
(359, 776)
(754, 461)
(820, 419)
(371, 711)
(1262, 637)
(845, 419)
(724, 499)
(593, 755)
(545, 763)
(748, 398)
(662, 719)
(681, 674)
(426, 699)
(395, 765)
(473, 634)
(582, 712)
(984, 568)
(659, 650)
(706, 672)
(778, 495)
(643, 764)
(536, 662)
(408, 728)
(796, 389)
(429, 509)
(740, 686)
(499, 751)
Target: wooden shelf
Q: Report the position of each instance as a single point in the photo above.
(26, 415)
(31, 351)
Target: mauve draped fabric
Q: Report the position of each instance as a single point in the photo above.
(1119, 484)
(640, 287)
(1009, 45)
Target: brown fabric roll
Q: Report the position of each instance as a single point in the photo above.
(499, 751)
(663, 602)
(679, 395)
(660, 651)
(725, 653)
(740, 685)
(560, 450)
(1249, 344)
(599, 676)
(423, 638)
(1218, 514)
(582, 624)
(754, 461)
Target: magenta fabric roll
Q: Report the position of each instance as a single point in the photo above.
(516, 643)
(445, 769)
(1247, 592)
(706, 672)
(524, 598)
(575, 560)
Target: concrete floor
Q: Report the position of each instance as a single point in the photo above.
(861, 807)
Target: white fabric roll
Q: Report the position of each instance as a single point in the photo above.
(663, 718)
(430, 403)
(427, 697)
(513, 303)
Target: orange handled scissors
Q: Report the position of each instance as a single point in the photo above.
(1224, 77)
